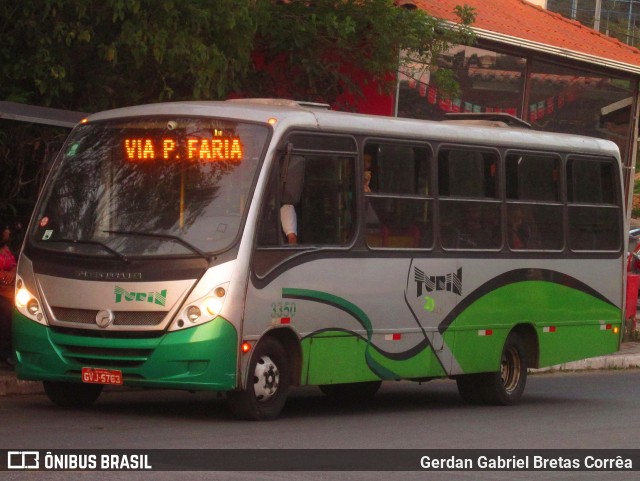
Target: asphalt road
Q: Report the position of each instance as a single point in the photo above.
(591, 410)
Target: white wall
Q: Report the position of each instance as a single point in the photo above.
(540, 3)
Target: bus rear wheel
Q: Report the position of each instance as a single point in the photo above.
(351, 392)
(72, 395)
(267, 386)
(504, 387)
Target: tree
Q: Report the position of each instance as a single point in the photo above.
(92, 55)
(321, 50)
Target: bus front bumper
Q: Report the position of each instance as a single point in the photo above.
(199, 358)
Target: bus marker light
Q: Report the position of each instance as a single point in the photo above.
(285, 320)
(246, 347)
(396, 336)
(272, 121)
(549, 329)
(616, 330)
(485, 332)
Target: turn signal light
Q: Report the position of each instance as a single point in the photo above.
(246, 347)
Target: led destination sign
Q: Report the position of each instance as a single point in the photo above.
(217, 148)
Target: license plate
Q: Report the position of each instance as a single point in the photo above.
(101, 376)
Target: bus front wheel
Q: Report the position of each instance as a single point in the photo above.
(72, 395)
(268, 383)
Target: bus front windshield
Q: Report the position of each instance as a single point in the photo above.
(150, 187)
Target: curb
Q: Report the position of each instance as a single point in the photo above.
(594, 364)
(9, 386)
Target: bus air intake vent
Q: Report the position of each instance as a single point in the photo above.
(122, 318)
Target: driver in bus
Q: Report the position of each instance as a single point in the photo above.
(289, 221)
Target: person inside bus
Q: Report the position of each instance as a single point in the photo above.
(368, 161)
(289, 217)
(7, 281)
(519, 231)
(290, 195)
(370, 217)
(289, 222)
(475, 230)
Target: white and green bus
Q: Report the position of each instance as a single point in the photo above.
(465, 249)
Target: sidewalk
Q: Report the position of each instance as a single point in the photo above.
(627, 358)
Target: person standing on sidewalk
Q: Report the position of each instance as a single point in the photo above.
(7, 282)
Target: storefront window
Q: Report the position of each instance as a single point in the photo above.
(558, 98)
(580, 102)
(489, 82)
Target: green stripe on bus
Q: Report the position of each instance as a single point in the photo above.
(380, 364)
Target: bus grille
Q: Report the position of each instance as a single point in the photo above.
(106, 357)
(122, 318)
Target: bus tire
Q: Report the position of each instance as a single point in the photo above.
(72, 395)
(506, 386)
(267, 385)
(352, 392)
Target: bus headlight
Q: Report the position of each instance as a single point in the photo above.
(33, 307)
(202, 310)
(194, 313)
(22, 297)
(213, 305)
(28, 304)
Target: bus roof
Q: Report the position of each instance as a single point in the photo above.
(310, 116)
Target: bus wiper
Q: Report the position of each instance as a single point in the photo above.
(179, 240)
(93, 242)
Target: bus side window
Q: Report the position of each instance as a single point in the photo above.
(594, 205)
(326, 211)
(397, 206)
(534, 208)
(469, 205)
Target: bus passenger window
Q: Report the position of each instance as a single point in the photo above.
(534, 210)
(469, 207)
(594, 205)
(398, 202)
(326, 212)
(319, 202)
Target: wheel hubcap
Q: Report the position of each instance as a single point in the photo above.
(510, 369)
(266, 379)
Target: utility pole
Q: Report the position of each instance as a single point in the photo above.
(629, 31)
(596, 23)
(574, 9)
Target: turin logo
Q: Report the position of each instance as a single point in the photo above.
(159, 298)
(449, 282)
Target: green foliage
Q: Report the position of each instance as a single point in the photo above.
(95, 54)
(320, 50)
(91, 55)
